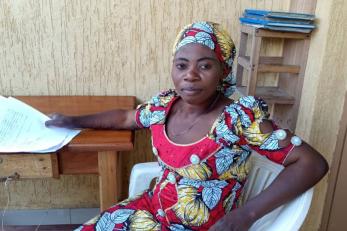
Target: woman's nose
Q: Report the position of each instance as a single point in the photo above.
(191, 74)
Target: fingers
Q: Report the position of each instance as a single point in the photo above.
(49, 123)
(56, 120)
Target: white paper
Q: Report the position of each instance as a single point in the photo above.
(22, 129)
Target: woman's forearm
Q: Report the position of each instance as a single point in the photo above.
(114, 119)
(303, 169)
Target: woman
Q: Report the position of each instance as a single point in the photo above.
(202, 140)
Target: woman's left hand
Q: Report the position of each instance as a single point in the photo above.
(236, 220)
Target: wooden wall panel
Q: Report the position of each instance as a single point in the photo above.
(323, 92)
(98, 47)
(66, 192)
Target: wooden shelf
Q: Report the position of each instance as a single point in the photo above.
(290, 66)
(261, 32)
(269, 64)
(272, 95)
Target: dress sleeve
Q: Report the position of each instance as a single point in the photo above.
(247, 115)
(154, 110)
(143, 115)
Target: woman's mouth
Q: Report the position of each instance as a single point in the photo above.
(191, 90)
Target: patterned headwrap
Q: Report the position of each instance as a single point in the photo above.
(217, 39)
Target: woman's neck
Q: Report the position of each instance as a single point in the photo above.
(191, 109)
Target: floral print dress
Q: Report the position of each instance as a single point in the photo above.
(199, 182)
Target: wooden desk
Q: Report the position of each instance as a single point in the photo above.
(91, 152)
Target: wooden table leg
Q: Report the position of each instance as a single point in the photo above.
(107, 164)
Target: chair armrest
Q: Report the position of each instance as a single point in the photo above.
(294, 213)
(141, 176)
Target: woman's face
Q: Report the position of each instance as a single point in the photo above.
(196, 73)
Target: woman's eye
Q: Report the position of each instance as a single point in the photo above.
(205, 66)
(180, 66)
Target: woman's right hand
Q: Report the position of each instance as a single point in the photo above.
(236, 220)
(60, 120)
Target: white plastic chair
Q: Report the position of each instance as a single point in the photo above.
(288, 217)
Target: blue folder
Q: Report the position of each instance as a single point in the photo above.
(282, 15)
(279, 21)
(264, 22)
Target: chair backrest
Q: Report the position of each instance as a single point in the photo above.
(288, 217)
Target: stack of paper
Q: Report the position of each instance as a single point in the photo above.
(22, 129)
(279, 21)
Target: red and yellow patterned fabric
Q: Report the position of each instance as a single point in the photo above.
(200, 182)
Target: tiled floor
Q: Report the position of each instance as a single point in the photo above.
(49, 217)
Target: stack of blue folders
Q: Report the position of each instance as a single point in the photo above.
(279, 21)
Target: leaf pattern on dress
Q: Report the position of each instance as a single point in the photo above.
(190, 209)
(237, 171)
(224, 133)
(246, 148)
(198, 183)
(121, 215)
(258, 106)
(224, 158)
(211, 196)
(105, 223)
(244, 155)
(232, 110)
(145, 116)
(248, 101)
(271, 143)
(237, 113)
(254, 135)
(229, 202)
(155, 101)
(211, 192)
(190, 182)
(143, 220)
(178, 227)
(244, 119)
(196, 171)
(227, 170)
(214, 183)
(258, 114)
(162, 99)
(157, 117)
